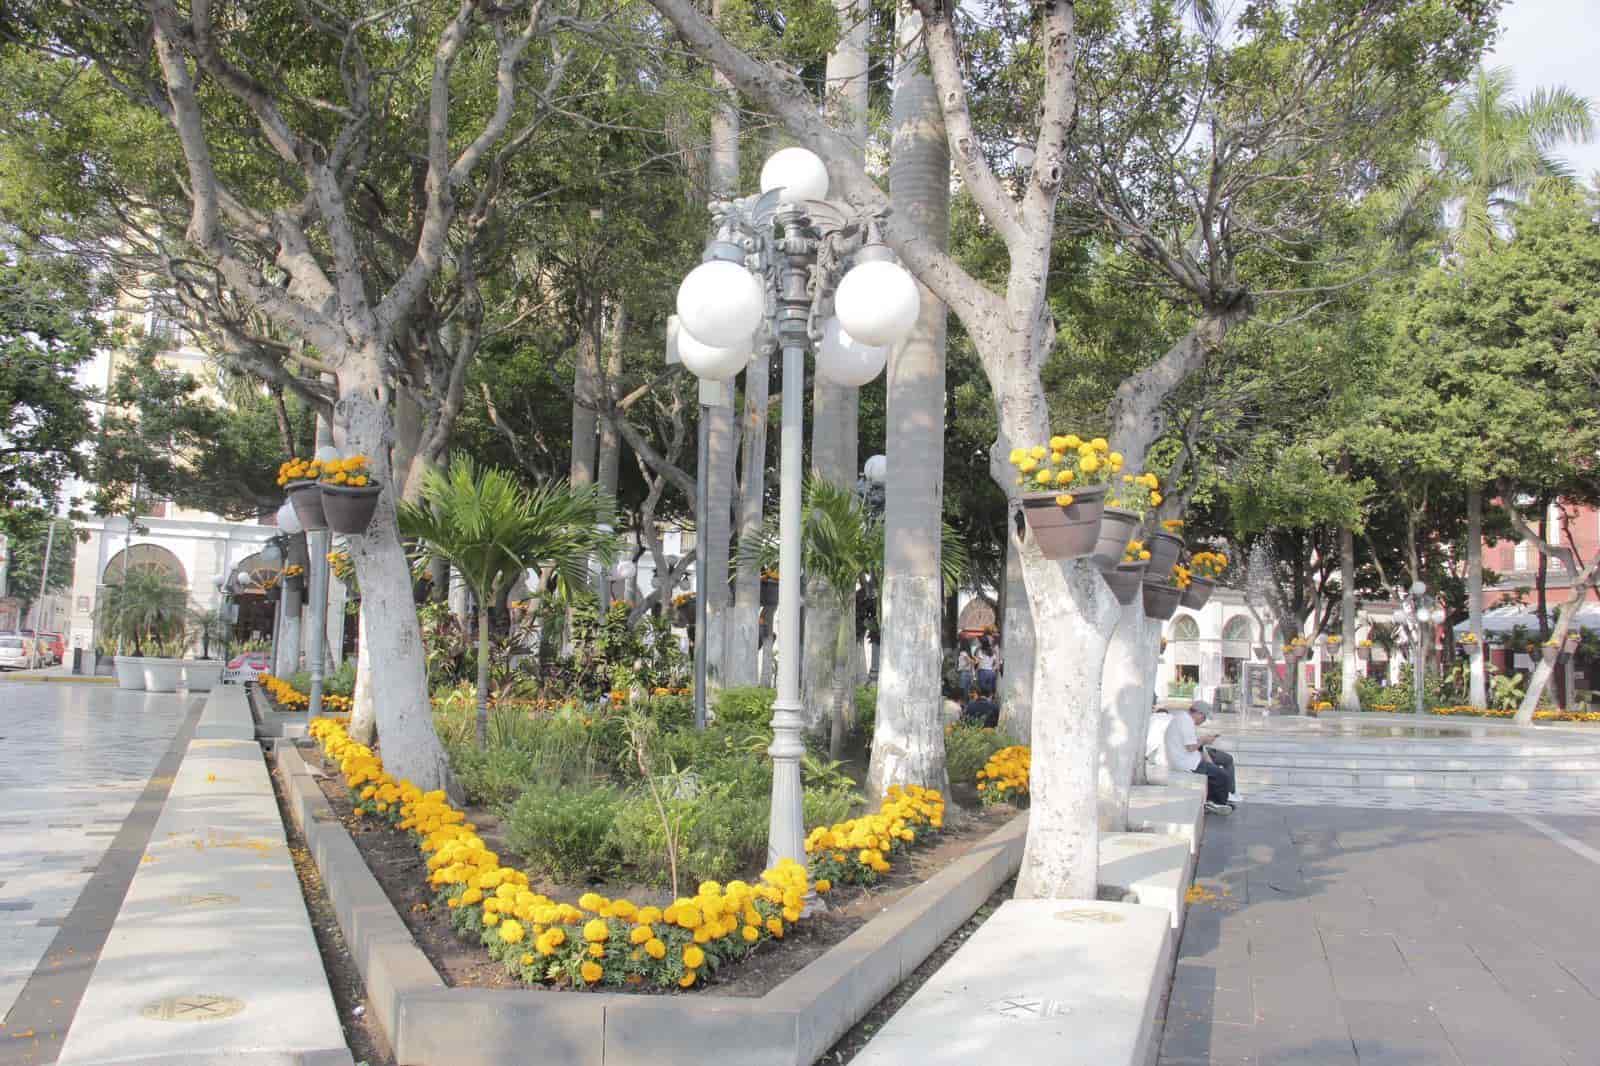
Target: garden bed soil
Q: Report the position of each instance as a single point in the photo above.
(393, 858)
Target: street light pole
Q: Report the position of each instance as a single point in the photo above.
(827, 281)
(1422, 616)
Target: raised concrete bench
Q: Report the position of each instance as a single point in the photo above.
(1058, 982)
(213, 930)
(1169, 810)
(227, 715)
(1155, 869)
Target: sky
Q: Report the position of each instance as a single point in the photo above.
(1552, 42)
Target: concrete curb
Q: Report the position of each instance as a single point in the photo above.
(429, 1024)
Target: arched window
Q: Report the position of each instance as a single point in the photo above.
(146, 557)
(1237, 628)
(1184, 627)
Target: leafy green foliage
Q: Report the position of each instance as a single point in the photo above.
(746, 707)
(967, 748)
(566, 831)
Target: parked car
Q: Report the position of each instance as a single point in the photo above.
(56, 645)
(18, 652)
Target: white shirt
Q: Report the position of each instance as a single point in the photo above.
(987, 660)
(1180, 734)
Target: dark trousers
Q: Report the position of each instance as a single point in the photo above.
(1219, 775)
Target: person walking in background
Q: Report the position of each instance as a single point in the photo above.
(988, 663)
(966, 667)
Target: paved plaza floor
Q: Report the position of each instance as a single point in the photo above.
(84, 770)
(1383, 928)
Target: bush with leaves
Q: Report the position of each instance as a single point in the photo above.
(968, 747)
(567, 830)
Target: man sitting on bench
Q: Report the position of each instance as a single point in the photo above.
(1188, 750)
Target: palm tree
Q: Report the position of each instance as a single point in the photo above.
(1493, 150)
(841, 544)
(146, 607)
(491, 529)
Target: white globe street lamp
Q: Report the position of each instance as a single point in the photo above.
(844, 360)
(877, 302)
(288, 521)
(1422, 616)
(876, 469)
(720, 304)
(797, 269)
(798, 172)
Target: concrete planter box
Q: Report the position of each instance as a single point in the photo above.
(130, 673)
(162, 675)
(202, 675)
(429, 1024)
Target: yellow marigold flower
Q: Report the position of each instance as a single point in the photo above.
(491, 919)
(511, 931)
(1064, 499)
(591, 971)
(1028, 465)
(693, 957)
(823, 885)
(1038, 451)
(709, 888)
(640, 933)
(597, 951)
(471, 896)
(1064, 477)
(751, 934)
(596, 931)
(655, 948)
(1017, 456)
(775, 927)
(690, 917)
(527, 959)
(686, 980)
(1099, 444)
(648, 915)
(1044, 477)
(1155, 499)
(1089, 464)
(591, 901)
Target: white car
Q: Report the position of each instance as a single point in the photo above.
(18, 652)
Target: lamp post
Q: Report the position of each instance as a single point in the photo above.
(274, 554)
(1421, 615)
(823, 280)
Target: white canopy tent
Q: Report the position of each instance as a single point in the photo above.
(1507, 617)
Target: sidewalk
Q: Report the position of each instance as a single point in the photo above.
(212, 958)
(59, 673)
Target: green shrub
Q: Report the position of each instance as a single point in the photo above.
(494, 776)
(827, 806)
(718, 838)
(746, 706)
(669, 712)
(566, 831)
(968, 747)
(866, 708)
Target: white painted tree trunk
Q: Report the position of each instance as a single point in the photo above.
(1349, 697)
(1124, 703)
(1016, 645)
(363, 713)
(908, 742)
(1074, 612)
(1149, 662)
(404, 713)
(719, 531)
(1478, 688)
(289, 640)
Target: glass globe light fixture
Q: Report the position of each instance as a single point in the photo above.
(288, 521)
(844, 360)
(721, 303)
(709, 362)
(798, 172)
(327, 453)
(877, 302)
(272, 554)
(876, 469)
(1418, 588)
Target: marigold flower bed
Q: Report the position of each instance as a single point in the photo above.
(601, 942)
(289, 698)
(1004, 778)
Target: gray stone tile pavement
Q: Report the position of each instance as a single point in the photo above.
(73, 760)
(1405, 936)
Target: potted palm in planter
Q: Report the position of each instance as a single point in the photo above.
(1065, 492)
(349, 495)
(1127, 503)
(300, 480)
(1205, 569)
(1161, 598)
(1126, 579)
(145, 611)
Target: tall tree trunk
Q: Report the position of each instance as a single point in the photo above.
(1124, 699)
(908, 741)
(585, 423)
(404, 714)
(1542, 577)
(1349, 698)
(483, 673)
(1478, 689)
(742, 633)
(834, 407)
(843, 686)
(608, 444)
(1017, 647)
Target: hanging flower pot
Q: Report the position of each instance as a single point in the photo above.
(1125, 580)
(306, 496)
(350, 508)
(1065, 531)
(1116, 530)
(1198, 593)
(1165, 548)
(1161, 600)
